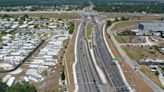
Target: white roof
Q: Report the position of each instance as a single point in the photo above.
(14, 26)
(10, 81)
(62, 38)
(153, 24)
(23, 26)
(37, 61)
(134, 30)
(9, 35)
(1, 56)
(50, 60)
(26, 79)
(17, 71)
(5, 65)
(47, 56)
(8, 57)
(32, 78)
(15, 53)
(31, 71)
(5, 79)
(52, 53)
(49, 63)
(162, 48)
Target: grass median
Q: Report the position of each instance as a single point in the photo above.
(89, 30)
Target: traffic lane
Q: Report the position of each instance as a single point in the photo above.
(94, 73)
(102, 65)
(85, 72)
(101, 42)
(88, 70)
(80, 75)
(83, 76)
(82, 59)
(95, 79)
(84, 62)
(108, 59)
(118, 81)
(108, 86)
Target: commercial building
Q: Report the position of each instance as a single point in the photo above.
(151, 28)
(154, 62)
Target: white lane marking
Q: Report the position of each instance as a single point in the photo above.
(74, 65)
(100, 72)
(118, 65)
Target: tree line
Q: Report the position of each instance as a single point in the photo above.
(41, 2)
(131, 8)
(18, 87)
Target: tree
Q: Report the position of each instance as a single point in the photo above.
(24, 87)
(109, 23)
(36, 26)
(162, 18)
(26, 16)
(71, 27)
(124, 18)
(130, 33)
(146, 7)
(59, 19)
(23, 18)
(5, 16)
(3, 86)
(63, 74)
(157, 73)
(116, 19)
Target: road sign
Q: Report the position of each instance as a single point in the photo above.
(115, 58)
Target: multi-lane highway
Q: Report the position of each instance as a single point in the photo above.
(87, 77)
(104, 60)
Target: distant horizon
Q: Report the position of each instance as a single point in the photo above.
(68, 2)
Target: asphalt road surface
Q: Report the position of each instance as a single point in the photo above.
(104, 60)
(87, 77)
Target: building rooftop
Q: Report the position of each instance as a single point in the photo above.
(153, 24)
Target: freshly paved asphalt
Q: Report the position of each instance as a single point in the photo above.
(87, 76)
(88, 79)
(104, 60)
